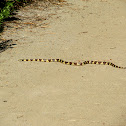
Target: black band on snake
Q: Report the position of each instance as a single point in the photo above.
(74, 63)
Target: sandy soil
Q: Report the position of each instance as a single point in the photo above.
(53, 94)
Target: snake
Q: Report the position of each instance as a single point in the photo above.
(75, 63)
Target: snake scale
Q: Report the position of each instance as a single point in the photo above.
(74, 63)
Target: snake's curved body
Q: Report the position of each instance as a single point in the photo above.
(74, 63)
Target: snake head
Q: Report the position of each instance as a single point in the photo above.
(20, 60)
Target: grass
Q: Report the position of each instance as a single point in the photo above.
(7, 7)
(6, 10)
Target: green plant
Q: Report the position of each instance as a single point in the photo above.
(5, 12)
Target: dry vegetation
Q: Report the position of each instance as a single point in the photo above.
(33, 3)
(52, 0)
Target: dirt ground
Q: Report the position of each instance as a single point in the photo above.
(54, 94)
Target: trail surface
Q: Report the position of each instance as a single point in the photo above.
(54, 94)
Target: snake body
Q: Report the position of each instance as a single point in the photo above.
(75, 63)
